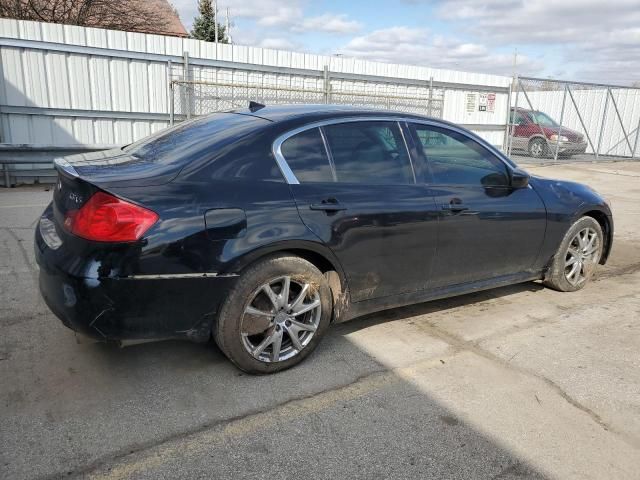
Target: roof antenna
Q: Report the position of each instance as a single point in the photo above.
(255, 106)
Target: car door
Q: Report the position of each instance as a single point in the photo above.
(354, 186)
(487, 229)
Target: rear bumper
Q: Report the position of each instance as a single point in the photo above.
(131, 308)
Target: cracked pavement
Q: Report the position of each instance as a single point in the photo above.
(516, 382)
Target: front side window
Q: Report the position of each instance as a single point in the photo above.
(544, 119)
(518, 118)
(370, 152)
(307, 157)
(455, 159)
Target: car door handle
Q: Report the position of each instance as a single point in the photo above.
(454, 207)
(329, 205)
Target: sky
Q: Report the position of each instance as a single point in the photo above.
(587, 40)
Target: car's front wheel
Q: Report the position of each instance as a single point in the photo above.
(538, 148)
(275, 315)
(577, 257)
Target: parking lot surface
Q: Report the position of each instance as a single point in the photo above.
(516, 382)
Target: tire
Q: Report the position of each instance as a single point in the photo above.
(538, 148)
(238, 333)
(572, 249)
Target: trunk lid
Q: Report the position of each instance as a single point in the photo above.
(117, 165)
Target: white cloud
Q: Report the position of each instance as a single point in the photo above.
(328, 23)
(417, 46)
(588, 40)
(278, 16)
(274, 14)
(594, 39)
(533, 21)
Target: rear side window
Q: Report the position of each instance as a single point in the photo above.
(455, 159)
(369, 152)
(307, 157)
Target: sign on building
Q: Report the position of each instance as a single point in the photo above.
(471, 102)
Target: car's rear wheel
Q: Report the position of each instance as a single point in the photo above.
(275, 315)
(538, 148)
(577, 257)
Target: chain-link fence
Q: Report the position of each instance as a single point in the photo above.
(555, 120)
(204, 90)
(197, 90)
(425, 99)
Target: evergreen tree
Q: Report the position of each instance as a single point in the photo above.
(204, 24)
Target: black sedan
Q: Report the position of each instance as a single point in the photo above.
(261, 227)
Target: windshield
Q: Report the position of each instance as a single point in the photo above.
(543, 119)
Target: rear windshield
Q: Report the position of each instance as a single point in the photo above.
(180, 143)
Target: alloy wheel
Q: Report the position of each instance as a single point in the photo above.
(537, 149)
(582, 256)
(280, 319)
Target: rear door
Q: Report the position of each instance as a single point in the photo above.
(355, 188)
(487, 229)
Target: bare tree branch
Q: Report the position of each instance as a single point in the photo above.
(129, 15)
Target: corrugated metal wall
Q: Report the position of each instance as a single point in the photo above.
(65, 85)
(67, 88)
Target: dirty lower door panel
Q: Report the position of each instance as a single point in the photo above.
(385, 236)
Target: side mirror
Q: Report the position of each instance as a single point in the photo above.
(519, 178)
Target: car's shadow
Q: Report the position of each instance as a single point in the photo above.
(209, 351)
(91, 404)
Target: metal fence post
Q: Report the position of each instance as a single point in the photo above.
(7, 177)
(171, 93)
(327, 85)
(564, 100)
(516, 81)
(507, 125)
(544, 136)
(635, 144)
(604, 119)
(430, 95)
(185, 77)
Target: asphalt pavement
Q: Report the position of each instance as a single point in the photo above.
(516, 382)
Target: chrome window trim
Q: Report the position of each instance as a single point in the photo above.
(406, 147)
(170, 276)
(284, 167)
(327, 150)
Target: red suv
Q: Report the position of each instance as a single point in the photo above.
(537, 133)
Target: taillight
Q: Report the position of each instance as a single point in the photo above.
(105, 218)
